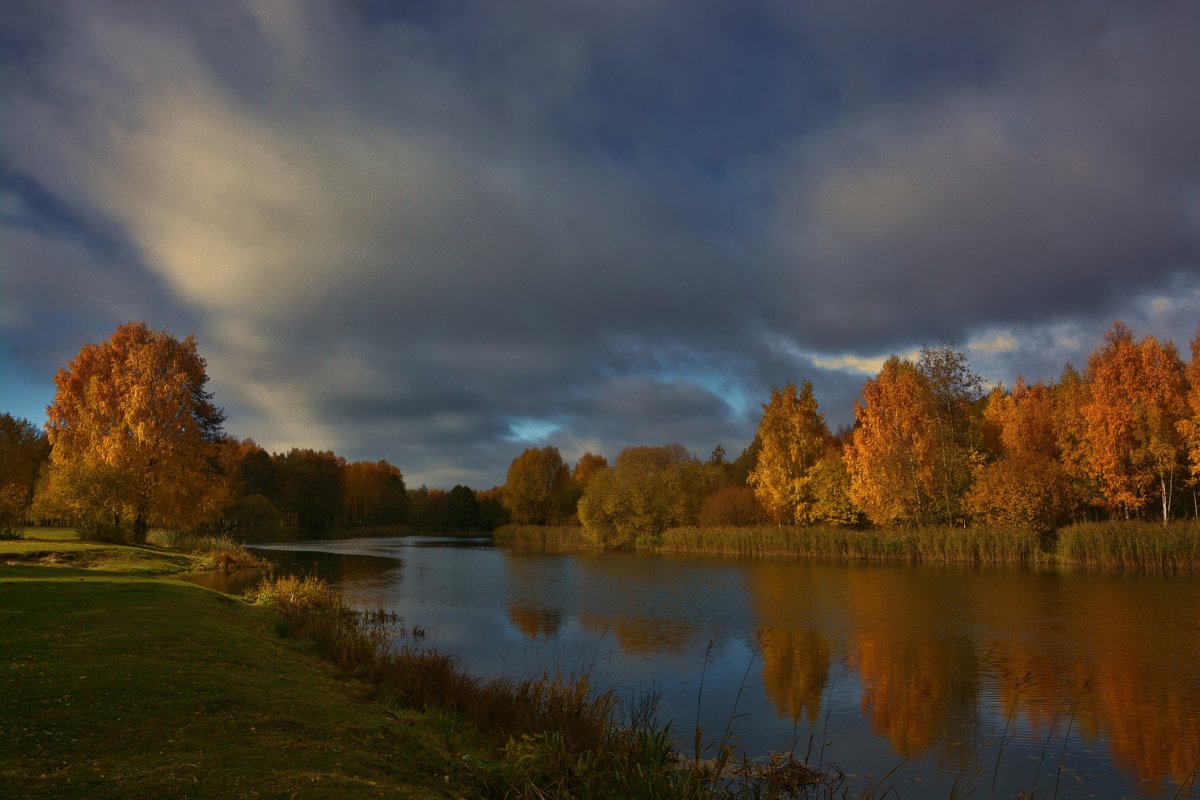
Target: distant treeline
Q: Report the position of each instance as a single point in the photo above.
(1119, 441)
(253, 491)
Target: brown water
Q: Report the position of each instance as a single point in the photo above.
(953, 673)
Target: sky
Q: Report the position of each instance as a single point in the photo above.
(439, 232)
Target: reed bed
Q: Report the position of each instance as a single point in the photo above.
(220, 551)
(991, 545)
(1174, 547)
(551, 538)
(1123, 545)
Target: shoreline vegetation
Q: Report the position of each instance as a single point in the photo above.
(126, 681)
(1136, 545)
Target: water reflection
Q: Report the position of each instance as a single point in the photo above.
(236, 582)
(537, 593)
(792, 635)
(932, 664)
(916, 656)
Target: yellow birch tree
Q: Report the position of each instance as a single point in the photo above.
(793, 436)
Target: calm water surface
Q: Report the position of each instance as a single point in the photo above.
(945, 671)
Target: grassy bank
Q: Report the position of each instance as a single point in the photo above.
(1119, 545)
(121, 681)
(122, 685)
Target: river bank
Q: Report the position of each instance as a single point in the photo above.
(125, 681)
(1117, 545)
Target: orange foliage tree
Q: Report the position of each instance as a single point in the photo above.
(1189, 425)
(1133, 440)
(537, 488)
(1026, 484)
(731, 505)
(891, 455)
(587, 466)
(1068, 399)
(132, 433)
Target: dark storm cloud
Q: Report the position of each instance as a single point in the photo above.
(1059, 186)
(441, 232)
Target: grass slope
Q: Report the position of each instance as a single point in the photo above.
(115, 684)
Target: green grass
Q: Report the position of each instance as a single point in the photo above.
(63, 547)
(118, 685)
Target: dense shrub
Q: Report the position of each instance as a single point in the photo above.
(732, 505)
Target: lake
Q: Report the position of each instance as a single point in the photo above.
(944, 674)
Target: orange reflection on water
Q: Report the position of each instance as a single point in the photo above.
(1142, 698)
(545, 623)
(795, 651)
(920, 679)
(642, 636)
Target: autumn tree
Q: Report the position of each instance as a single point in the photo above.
(1189, 425)
(891, 456)
(537, 487)
(647, 490)
(793, 436)
(731, 505)
(954, 390)
(23, 450)
(830, 482)
(1026, 484)
(1069, 398)
(587, 466)
(916, 439)
(375, 493)
(132, 432)
(1132, 438)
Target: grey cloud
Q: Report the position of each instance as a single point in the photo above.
(1053, 188)
(402, 233)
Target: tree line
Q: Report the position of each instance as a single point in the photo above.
(1119, 440)
(133, 440)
